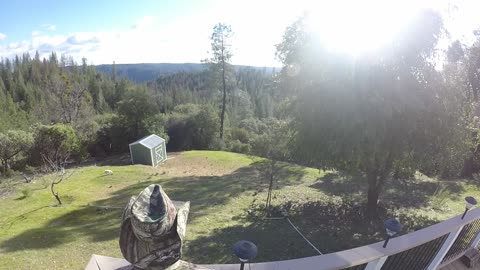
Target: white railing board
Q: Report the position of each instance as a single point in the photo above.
(376, 264)
(445, 248)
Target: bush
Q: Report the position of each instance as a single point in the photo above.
(193, 126)
(26, 192)
(115, 133)
(57, 142)
(156, 125)
(239, 134)
(217, 144)
(8, 173)
(239, 147)
(110, 136)
(30, 170)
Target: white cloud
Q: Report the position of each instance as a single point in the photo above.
(153, 40)
(49, 27)
(2, 36)
(144, 23)
(185, 38)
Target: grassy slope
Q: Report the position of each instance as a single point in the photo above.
(221, 186)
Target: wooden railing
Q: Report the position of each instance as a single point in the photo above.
(429, 248)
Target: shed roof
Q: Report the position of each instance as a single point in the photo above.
(150, 141)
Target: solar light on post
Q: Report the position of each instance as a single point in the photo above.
(245, 251)
(470, 202)
(392, 227)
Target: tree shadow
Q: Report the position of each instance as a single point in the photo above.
(396, 192)
(285, 174)
(275, 240)
(7, 224)
(330, 226)
(88, 221)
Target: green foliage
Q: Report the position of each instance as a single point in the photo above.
(29, 170)
(369, 114)
(440, 197)
(156, 125)
(109, 137)
(133, 110)
(13, 143)
(239, 134)
(192, 126)
(56, 142)
(26, 192)
(11, 116)
(274, 142)
(239, 147)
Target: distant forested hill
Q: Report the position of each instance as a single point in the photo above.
(147, 72)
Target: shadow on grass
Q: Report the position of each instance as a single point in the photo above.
(102, 224)
(11, 221)
(285, 174)
(275, 240)
(396, 192)
(329, 226)
(339, 225)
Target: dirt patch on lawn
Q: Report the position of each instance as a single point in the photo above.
(179, 165)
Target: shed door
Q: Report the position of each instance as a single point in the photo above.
(159, 154)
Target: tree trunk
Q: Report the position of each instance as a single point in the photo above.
(55, 194)
(372, 199)
(224, 100)
(269, 195)
(4, 168)
(467, 170)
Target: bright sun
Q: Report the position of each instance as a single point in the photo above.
(357, 27)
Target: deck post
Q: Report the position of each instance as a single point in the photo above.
(376, 264)
(452, 236)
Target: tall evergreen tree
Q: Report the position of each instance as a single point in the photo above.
(220, 62)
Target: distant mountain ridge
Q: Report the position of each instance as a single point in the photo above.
(150, 71)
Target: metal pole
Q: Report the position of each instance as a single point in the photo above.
(242, 264)
(464, 213)
(386, 241)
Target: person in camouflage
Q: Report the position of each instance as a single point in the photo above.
(153, 229)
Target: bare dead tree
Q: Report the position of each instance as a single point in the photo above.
(58, 173)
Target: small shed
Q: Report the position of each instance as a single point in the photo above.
(150, 150)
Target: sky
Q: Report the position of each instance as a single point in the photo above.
(177, 31)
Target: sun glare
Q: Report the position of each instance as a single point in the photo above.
(357, 27)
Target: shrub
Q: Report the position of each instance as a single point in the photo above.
(110, 136)
(239, 134)
(26, 192)
(156, 125)
(57, 142)
(239, 147)
(193, 126)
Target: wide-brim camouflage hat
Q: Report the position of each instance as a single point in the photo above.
(153, 213)
(153, 228)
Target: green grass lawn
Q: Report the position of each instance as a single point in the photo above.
(226, 191)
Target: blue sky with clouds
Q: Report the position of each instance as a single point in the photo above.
(176, 31)
(140, 31)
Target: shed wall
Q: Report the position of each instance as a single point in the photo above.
(141, 155)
